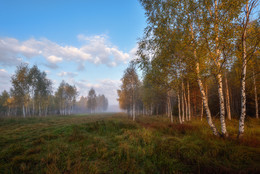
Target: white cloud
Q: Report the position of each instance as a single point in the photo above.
(3, 70)
(95, 49)
(54, 59)
(69, 74)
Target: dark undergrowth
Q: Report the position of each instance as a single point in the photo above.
(111, 143)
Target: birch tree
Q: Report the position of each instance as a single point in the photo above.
(20, 85)
(128, 95)
(249, 6)
(92, 100)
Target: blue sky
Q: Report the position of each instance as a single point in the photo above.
(87, 43)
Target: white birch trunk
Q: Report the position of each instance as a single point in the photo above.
(28, 110)
(205, 101)
(151, 110)
(201, 112)
(219, 76)
(23, 112)
(222, 105)
(134, 111)
(182, 104)
(33, 107)
(243, 81)
(133, 106)
(186, 104)
(179, 107)
(203, 95)
(189, 109)
(39, 109)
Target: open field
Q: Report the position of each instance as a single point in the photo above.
(112, 143)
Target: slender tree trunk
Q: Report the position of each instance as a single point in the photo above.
(134, 112)
(179, 107)
(186, 104)
(205, 102)
(33, 107)
(182, 103)
(227, 98)
(151, 109)
(256, 98)
(39, 109)
(23, 112)
(64, 109)
(29, 110)
(243, 80)
(189, 109)
(203, 95)
(219, 76)
(222, 105)
(26, 111)
(169, 106)
(201, 112)
(133, 106)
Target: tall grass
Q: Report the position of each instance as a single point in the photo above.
(114, 144)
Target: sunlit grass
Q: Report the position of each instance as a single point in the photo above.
(112, 143)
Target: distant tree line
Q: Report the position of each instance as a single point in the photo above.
(92, 104)
(197, 58)
(32, 94)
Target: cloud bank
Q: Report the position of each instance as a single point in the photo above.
(95, 49)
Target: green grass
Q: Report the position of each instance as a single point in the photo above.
(111, 143)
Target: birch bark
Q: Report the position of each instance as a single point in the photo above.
(186, 104)
(243, 80)
(182, 103)
(201, 112)
(179, 107)
(205, 101)
(189, 110)
(222, 105)
(203, 95)
(219, 76)
(23, 112)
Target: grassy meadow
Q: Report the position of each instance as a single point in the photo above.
(113, 143)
